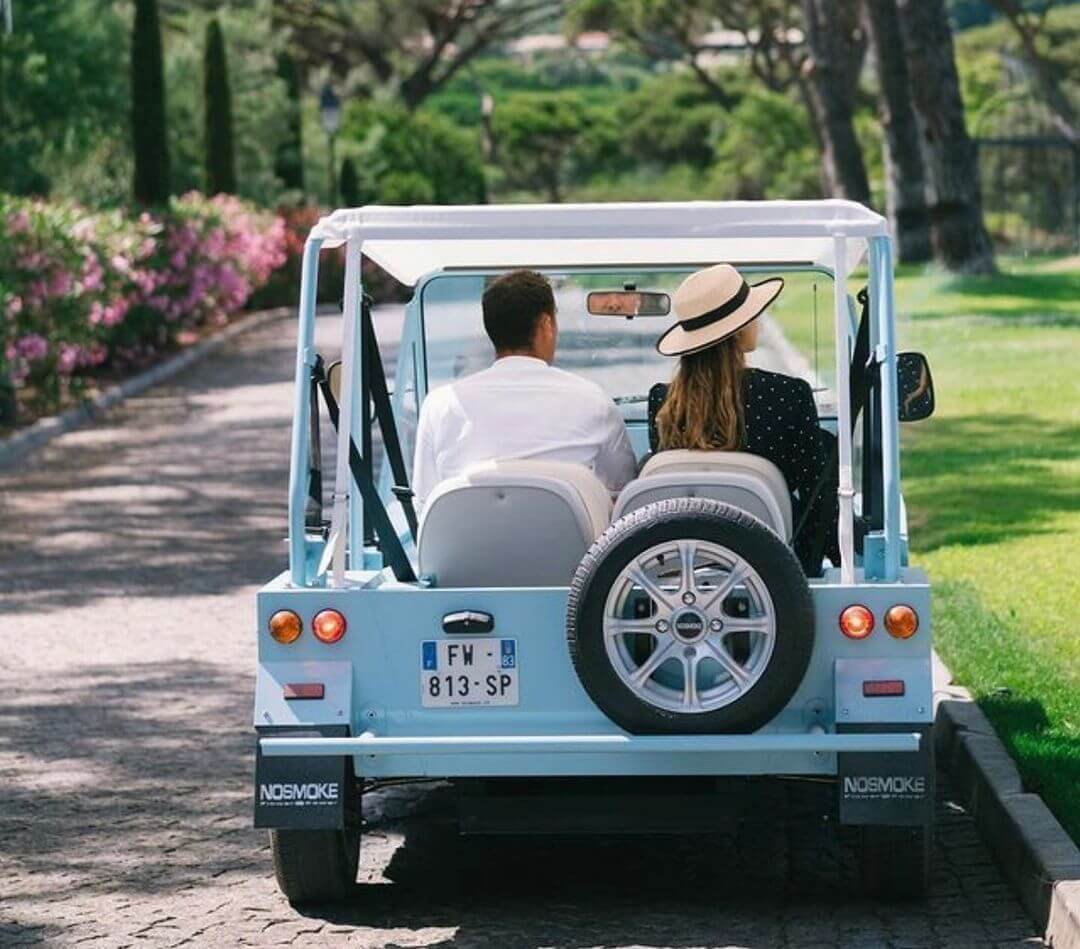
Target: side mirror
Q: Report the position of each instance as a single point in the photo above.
(915, 388)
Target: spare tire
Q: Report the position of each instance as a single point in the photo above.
(690, 616)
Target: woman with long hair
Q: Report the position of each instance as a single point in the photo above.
(715, 402)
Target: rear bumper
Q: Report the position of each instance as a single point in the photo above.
(372, 745)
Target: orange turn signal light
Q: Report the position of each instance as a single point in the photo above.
(901, 621)
(285, 627)
(328, 626)
(856, 622)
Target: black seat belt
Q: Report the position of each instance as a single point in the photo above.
(380, 395)
(313, 510)
(389, 542)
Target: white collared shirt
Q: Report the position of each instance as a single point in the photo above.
(520, 407)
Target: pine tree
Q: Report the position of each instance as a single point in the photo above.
(289, 159)
(220, 153)
(148, 129)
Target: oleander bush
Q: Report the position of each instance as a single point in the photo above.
(83, 292)
(283, 287)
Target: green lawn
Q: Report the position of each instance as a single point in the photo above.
(992, 485)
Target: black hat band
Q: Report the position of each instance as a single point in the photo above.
(725, 309)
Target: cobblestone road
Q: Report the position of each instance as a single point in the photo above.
(129, 555)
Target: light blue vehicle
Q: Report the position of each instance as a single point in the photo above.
(555, 654)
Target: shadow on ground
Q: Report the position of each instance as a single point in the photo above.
(132, 778)
(184, 488)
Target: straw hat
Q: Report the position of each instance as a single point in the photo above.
(711, 305)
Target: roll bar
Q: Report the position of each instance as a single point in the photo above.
(882, 548)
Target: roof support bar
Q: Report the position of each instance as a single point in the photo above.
(846, 490)
(298, 462)
(883, 310)
(340, 521)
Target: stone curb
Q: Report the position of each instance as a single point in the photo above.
(1034, 853)
(45, 430)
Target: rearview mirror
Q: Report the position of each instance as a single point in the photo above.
(627, 303)
(915, 388)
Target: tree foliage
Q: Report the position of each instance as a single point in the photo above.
(410, 47)
(261, 108)
(63, 89)
(823, 70)
(413, 158)
(537, 136)
(674, 30)
(669, 120)
(1042, 57)
(220, 154)
(151, 147)
(764, 149)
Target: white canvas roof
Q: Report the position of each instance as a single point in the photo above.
(410, 242)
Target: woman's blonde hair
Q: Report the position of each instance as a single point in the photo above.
(703, 409)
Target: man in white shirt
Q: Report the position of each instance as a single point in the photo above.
(522, 406)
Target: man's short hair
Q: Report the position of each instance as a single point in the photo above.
(513, 305)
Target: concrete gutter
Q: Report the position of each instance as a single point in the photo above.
(45, 430)
(1034, 853)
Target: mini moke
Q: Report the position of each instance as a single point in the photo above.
(566, 661)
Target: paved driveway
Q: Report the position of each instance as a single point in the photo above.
(129, 556)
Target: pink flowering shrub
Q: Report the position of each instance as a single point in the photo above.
(81, 290)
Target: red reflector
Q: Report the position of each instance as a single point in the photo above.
(883, 687)
(304, 690)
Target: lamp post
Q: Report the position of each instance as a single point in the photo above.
(330, 117)
(487, 113)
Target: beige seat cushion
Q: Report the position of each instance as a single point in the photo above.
(747, 481)
(512, 523)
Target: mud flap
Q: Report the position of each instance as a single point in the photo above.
(298, 793)
(885, 787)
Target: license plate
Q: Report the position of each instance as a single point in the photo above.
(467, 673)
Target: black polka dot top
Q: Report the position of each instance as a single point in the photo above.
(782, 426)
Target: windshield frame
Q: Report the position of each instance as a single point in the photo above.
(622, 270)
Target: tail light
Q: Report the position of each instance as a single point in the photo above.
(285, 627)
(901, 621)
(328, 626)
(856, 622)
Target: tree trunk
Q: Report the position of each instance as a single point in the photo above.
(949, 155)
(905, 181)
(831, 90)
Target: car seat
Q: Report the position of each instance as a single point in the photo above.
(746, 481)
(512, 523)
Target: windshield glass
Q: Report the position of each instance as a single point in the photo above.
(620, 354)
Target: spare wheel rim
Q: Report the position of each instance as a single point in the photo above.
(694, 665)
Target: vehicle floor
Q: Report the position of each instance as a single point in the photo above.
(129, 557)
